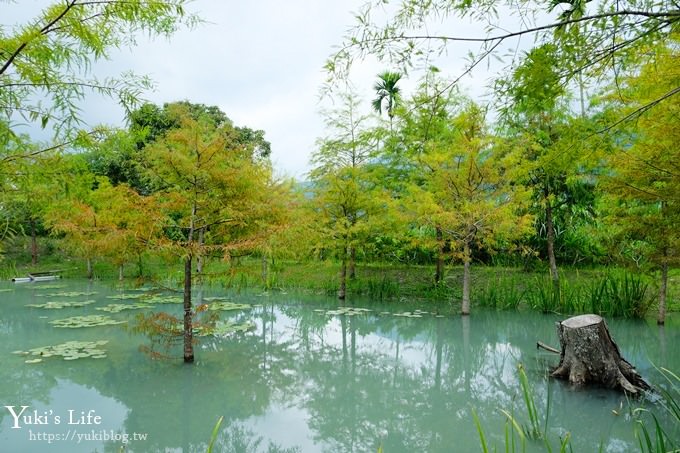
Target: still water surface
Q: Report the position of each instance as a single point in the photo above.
(303, 380)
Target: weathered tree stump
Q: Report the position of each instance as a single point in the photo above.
(589, 355)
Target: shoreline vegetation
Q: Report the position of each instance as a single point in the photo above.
(607, 291)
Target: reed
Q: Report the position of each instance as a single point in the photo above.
(501, 294)
(215, 433)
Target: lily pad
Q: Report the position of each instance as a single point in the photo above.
(408, 314)
(6, 290)
(227, 306)
(85, 321)
(68, 294)
(71, 350)
(54, 305)
(124, 296)
(117, 308)
(164, 299)
(347, 311)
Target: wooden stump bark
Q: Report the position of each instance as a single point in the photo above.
(589, 355)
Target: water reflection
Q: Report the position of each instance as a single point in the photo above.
(307, 381)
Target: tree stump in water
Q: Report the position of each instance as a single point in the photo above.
(589, 355)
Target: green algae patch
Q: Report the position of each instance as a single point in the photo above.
(117, 308)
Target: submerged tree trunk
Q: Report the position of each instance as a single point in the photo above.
(188, 327)
(589, 355)
(465, 308)
(34, 243)
(661, 318)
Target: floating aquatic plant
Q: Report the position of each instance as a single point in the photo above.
(68, 294)
(117, 308)
(6, 290)
(408, 314)
(124, 296)
(349, 311)
(71, 350)
(228, 306)
(55, 305)
(145, 288)
(164, 300)
(85, 321)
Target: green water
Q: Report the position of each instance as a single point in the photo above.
(303, 380)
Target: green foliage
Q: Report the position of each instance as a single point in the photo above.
(45, 64)
(149, 123)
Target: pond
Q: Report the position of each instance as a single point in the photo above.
(306, 378)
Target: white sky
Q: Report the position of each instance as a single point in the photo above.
(260, 61)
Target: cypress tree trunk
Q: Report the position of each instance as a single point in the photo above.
(265, 269)
(554, 275)
(439, 266)
(120, 272)
(352, 263)
(34, 243)
(140, 266)
(188, 328)
(342, 291)
(465, 309)
(90, 273)
(200, 258)
(661, 318)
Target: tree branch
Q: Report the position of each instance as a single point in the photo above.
(43, 31)
(671, 16)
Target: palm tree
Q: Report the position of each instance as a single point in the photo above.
(387, 91)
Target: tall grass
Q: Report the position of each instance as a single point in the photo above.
(381, 288)
(215, 433)
(8, 271)
(615, 294)
(502, 294)
(545, 296)
(652, 436)
(517, 432)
